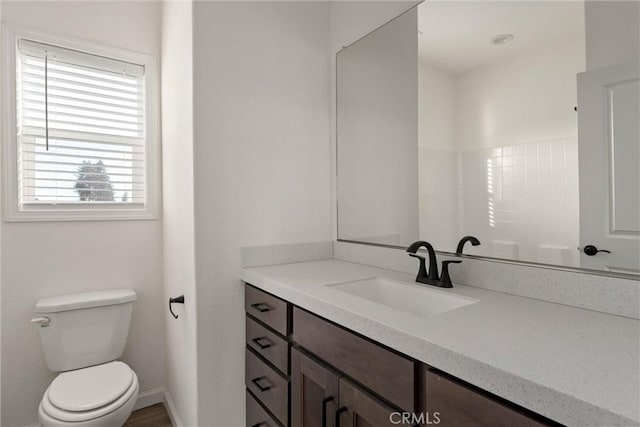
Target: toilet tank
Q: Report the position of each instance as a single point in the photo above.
(84, 329)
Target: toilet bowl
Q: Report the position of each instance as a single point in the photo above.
(82, 335)
(96, 396)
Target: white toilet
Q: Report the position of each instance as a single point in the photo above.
(82, 336)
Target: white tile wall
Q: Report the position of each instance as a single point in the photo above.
(521, 200)
(529, 199)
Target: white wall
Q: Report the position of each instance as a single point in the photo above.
(436, 107)
(41, 259)
(613, 32)
(178, 209)
(437, 157)
(526, 98)
(262, 164)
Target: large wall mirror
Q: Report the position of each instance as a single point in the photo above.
(517, 122)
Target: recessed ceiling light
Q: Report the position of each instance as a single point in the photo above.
(502, 39)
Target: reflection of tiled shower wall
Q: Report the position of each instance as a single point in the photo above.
(522, 200)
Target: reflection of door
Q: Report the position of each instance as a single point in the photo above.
(609, 156)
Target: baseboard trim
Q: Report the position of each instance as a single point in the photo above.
(171, 410)
(149, 397)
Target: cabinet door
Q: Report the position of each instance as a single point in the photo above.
(360, 409)
(314, 392)
(457, 405)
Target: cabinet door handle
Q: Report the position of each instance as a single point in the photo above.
(262, 342)
(261, 387)
(261, 307)
(339, 412)
(325, 402)
(260, 424)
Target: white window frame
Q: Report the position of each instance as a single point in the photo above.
(77, 211)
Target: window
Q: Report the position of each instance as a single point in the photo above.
(83, 143)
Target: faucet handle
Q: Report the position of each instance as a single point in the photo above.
(445, 279)
(422, 270)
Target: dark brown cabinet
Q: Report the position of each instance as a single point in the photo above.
(266, 384)
(456, 404)
(267, 358)
(305, 371)
(257, 416)
(314, 392)
(268, 344)
(383, 371)
(268, 309)
(361, 409)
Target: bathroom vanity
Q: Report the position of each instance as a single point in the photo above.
(319, 355)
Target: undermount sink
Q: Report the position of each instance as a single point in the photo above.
(416, 299)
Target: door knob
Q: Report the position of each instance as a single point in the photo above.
(591, 250)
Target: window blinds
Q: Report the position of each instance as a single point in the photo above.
(81, 127)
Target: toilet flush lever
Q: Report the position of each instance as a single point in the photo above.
(176, 300)
(42, 321)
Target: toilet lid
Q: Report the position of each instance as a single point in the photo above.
(90, 388)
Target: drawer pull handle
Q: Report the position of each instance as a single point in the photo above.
(325, 402)
(262, 307)
(262, 342)
(261, 423)
(261, 387)
(338, 413)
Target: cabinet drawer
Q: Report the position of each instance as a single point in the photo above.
(458, 404)
(257, 416)
(267, 308)
(383, 371)
(268, 386)
(268, 345)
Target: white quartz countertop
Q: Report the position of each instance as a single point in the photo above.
(575, 366)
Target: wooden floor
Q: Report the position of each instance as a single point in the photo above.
(151, 416)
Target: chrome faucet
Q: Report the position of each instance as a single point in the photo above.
(431, 277)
